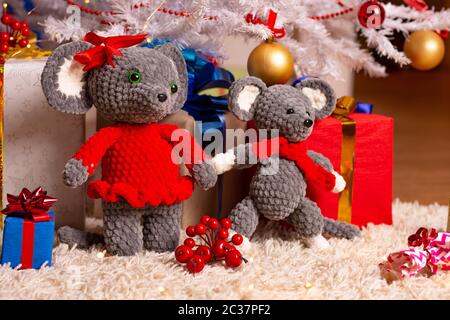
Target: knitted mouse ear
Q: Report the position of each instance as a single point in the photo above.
(64, 81)
(321, 95)
(242, 95)
(170, 51)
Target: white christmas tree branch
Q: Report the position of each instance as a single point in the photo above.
(319, 47)
(380, 42)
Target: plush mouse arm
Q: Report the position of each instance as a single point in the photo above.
(320, 159)
(249, 154)
(245, 155)
(325, 163)
(192, 154)
(314, 165)
(86, 159)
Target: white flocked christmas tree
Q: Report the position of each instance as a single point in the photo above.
(321, 34)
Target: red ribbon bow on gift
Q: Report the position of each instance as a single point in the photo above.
(31, 205)
(429, 251)
(271, 20)
(105, 48)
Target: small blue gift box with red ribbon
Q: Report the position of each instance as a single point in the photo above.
(28, 230)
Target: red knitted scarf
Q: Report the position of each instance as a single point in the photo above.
(313, 172)
(297, 153)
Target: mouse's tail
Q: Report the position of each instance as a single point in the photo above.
(82, 239)
(340, 229)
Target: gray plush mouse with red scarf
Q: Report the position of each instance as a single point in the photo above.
(278, 188)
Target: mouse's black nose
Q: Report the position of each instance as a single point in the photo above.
(308, 123)
(162, 97)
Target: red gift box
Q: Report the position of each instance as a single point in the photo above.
(367, 197)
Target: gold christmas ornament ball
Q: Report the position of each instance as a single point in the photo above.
(271, 62)
(425, 49)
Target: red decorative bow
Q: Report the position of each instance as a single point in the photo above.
(105, 48)
(422, 237)
(31, 205)
(271, 19)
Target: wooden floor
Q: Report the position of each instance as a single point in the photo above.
(419, 102)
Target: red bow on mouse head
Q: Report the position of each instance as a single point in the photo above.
(105, 48)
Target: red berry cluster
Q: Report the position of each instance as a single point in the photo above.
(16, 33)
(214, 247)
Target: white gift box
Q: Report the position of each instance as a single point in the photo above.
(38, 141)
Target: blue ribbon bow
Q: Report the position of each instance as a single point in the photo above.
(203, 75)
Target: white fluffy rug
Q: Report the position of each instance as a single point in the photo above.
(278, 269)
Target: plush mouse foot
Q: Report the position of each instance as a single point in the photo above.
(318, 242)
(245, 247)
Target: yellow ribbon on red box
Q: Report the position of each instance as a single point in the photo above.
(345, 106)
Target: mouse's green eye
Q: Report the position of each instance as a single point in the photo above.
(173, 87)
(135, 77)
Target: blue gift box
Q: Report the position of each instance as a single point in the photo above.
(27, 242)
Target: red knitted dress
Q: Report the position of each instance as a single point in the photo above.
(137, 164)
